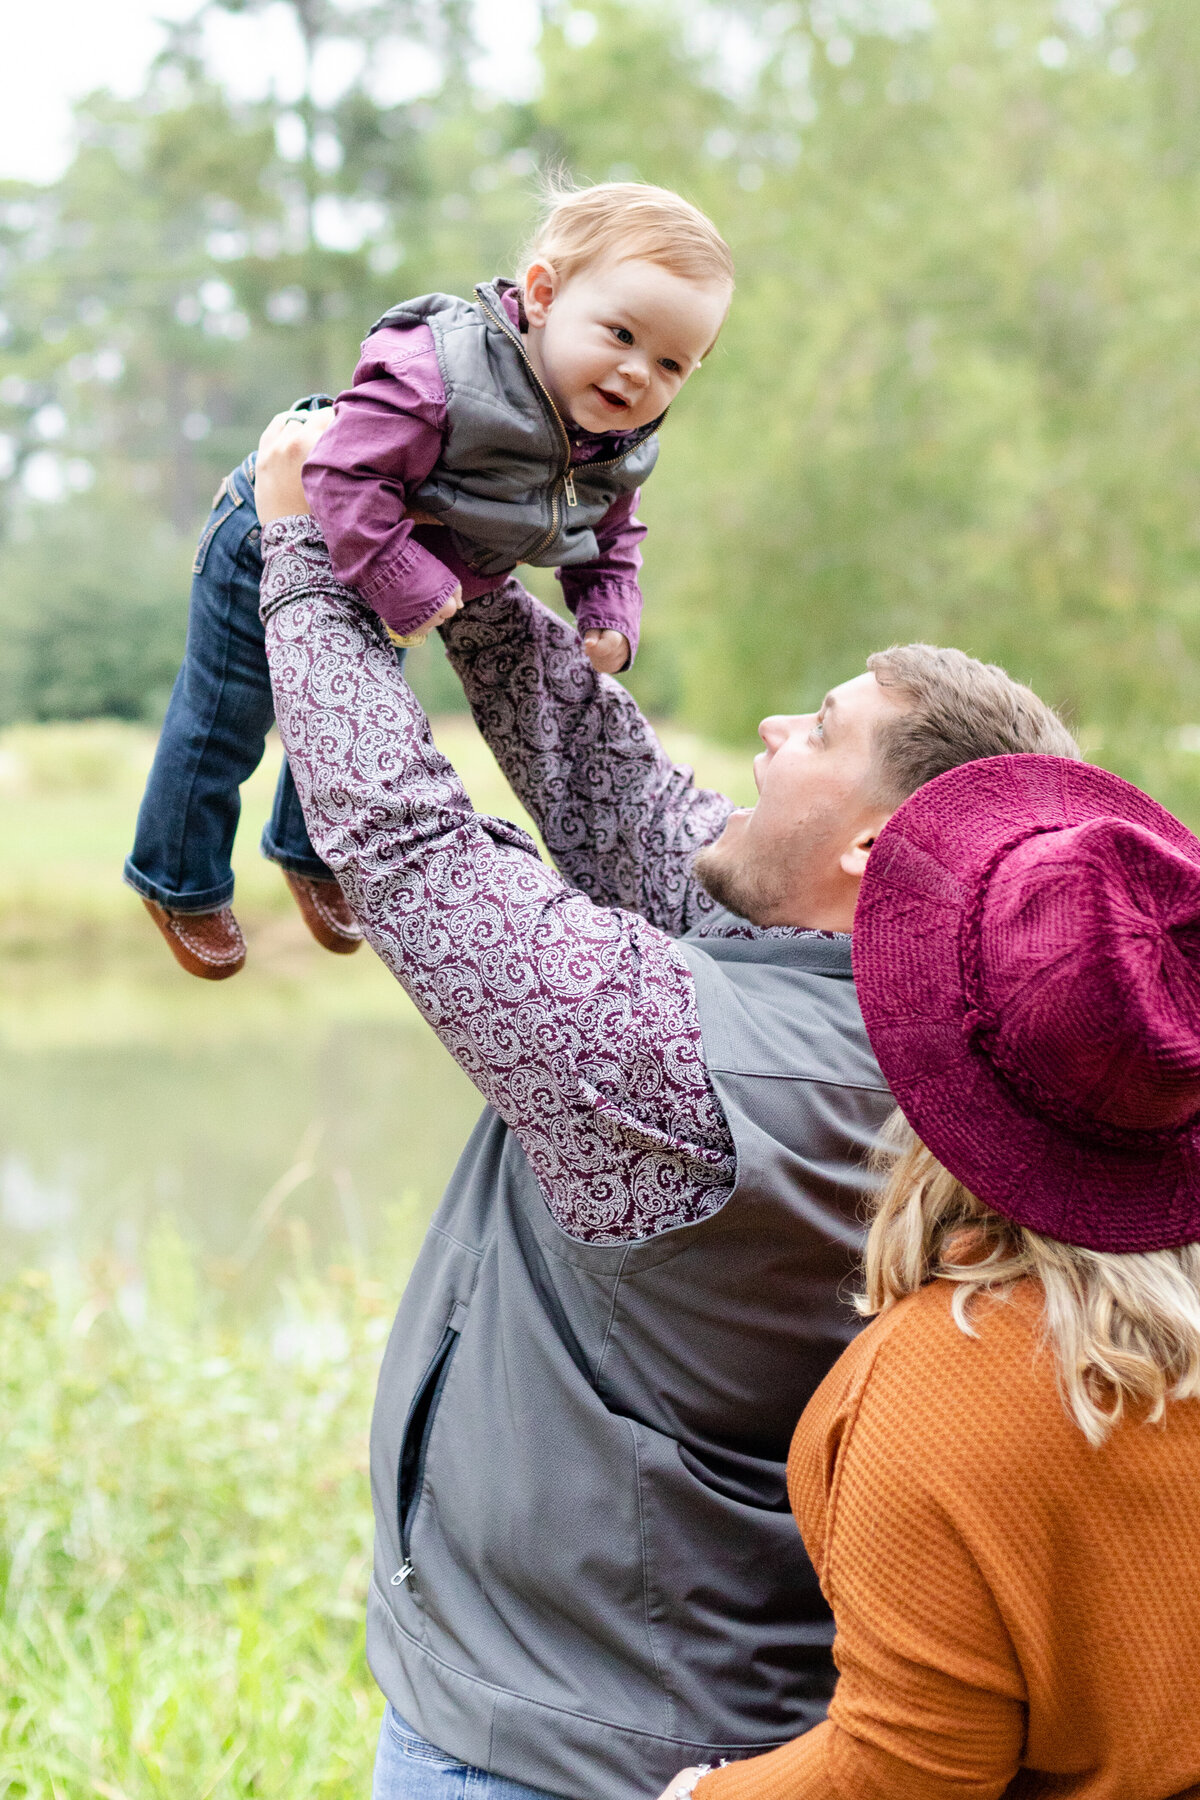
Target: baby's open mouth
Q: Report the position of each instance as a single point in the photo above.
(613, 400)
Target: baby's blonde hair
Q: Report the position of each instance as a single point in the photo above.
(1124, 1329)
(628, 219)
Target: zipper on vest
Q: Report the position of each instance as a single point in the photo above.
(567, 477)
(547, 399)
(613, 462)
(414, 1443)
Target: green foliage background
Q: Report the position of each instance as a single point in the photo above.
(956, 399)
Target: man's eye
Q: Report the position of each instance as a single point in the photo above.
(622, 335)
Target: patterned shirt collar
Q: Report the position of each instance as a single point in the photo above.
(724, 924)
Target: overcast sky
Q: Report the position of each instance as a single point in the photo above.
(57, 50)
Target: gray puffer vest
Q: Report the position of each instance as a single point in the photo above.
(504, 484)
(586, 1572)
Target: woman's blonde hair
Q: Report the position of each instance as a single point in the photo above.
(629, 219)
(1124, 1329)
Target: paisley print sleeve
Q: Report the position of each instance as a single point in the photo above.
(619, 818)
(577, 1022)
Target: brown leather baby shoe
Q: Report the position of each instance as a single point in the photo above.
(326, 913)
(208, 944)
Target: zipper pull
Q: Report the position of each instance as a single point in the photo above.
(402, 1574)
(569, 479)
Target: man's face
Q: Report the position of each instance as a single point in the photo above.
(797, 856)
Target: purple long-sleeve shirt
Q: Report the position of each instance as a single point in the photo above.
(386, 438)
(567, 1002)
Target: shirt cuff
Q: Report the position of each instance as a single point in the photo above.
(409, 591)
(607, 606)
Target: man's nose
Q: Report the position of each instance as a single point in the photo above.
(776, 728)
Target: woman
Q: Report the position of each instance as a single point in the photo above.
(999, 1481)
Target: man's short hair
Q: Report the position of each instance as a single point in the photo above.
(956, 710)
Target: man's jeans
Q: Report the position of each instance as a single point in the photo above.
(407, 1767)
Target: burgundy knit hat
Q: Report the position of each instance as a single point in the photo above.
(1027, 957)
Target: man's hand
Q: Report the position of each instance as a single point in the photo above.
(282, 451)
(607, 651)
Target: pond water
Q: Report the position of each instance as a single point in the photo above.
(341, 1129)
(301, 1111)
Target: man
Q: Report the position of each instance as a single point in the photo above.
(586, 1573)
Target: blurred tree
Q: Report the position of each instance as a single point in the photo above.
(203, 261)
(83, 618)
(348, 170)
(956, 397)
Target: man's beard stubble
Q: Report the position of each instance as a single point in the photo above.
(740, 888)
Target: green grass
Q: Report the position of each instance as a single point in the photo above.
(186, 1536)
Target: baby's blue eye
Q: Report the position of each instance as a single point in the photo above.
(670, 365)
(622, 335)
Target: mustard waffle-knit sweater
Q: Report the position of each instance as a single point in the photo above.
(1017, 1613)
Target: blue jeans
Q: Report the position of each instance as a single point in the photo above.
(407, 1767)
(216, 726)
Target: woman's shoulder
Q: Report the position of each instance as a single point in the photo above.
(1005, 1330)
(921, 1333)
(918, 1398)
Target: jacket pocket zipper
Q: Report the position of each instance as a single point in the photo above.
(410, 1469)
(568, 473)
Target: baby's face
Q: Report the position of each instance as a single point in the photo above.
(616, 342)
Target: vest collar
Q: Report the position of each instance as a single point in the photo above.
(493, 301)
(726, 937)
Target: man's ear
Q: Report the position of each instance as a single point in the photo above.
(853, 859)
(541, 285)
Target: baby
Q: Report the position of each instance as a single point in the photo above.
(517, 428)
